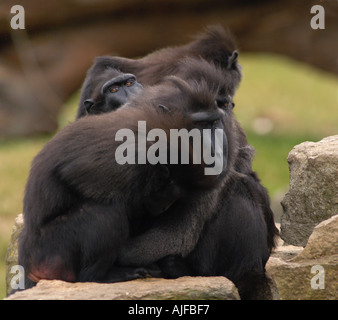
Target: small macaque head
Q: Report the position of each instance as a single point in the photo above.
(112, 91)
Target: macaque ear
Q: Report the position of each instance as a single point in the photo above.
(232, 59)
(88, 104)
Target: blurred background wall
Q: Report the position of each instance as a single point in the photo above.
(43, 65)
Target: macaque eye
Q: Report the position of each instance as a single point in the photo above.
(225, 102)
(114, 89)
(229, 104)
(130, 82)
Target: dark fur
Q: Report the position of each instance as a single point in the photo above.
(99, 102)
(215, 46)
(227, 230)
(238, 240)
(80, 206)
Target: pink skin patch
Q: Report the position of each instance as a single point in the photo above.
(52, 269)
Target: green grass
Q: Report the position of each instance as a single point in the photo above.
(270, 158)
(296, 98)
(299, 103)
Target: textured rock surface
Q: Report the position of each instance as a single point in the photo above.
(298, 278)
(12, 251)
(186, 288)
(313, 195)
(323, 241)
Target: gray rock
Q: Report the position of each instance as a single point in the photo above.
(12, 251)
(323, 241)
(286, 252)
(313, 195)
(185, 288)
(313, 273)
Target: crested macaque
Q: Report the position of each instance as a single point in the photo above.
(112, 90)
(206, 225)
(81, 205)
(237, 241)
(215, 46)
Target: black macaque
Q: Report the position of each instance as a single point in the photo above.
(237, 241)
(81, 206)
(112, 90)
(216, 46)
